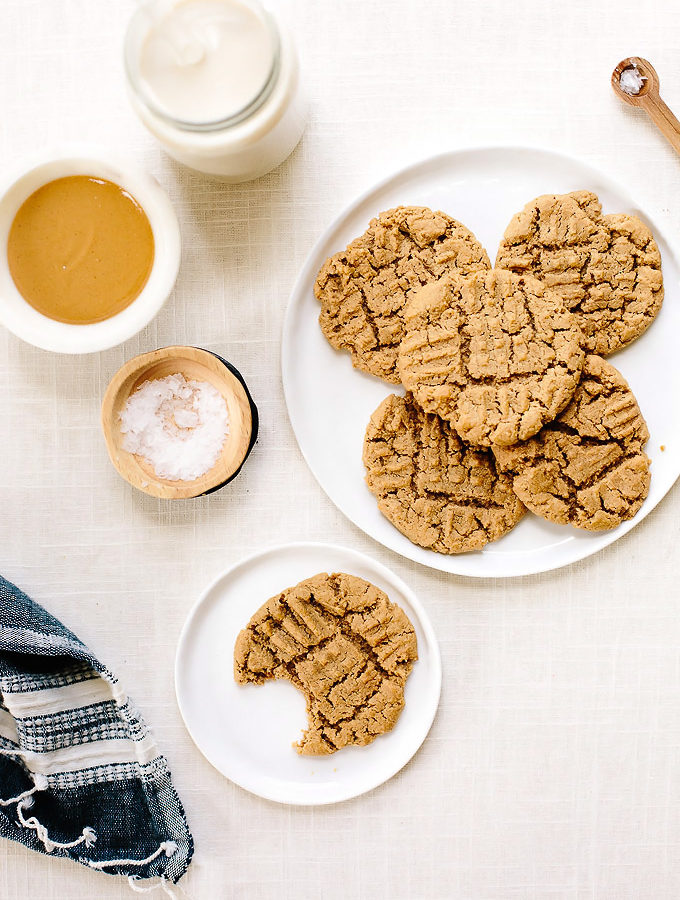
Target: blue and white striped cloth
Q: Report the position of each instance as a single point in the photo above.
(80, 775)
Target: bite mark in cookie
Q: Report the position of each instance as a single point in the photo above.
(363, 289)
(345, 645)
(606, 269)
(588, 467)
(438, 492)
(496, 354)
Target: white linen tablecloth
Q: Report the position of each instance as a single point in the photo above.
(553, 767)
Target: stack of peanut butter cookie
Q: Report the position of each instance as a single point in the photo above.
(509, 404)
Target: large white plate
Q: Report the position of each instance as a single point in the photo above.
(330, 403)
(247, 732)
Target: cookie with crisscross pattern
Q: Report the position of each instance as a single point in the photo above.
(495, 354)
(588, 468)
(364, 288)
(345, 645)
(606, 269)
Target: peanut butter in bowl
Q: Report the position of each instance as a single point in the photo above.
(80, 249)
(91, 251)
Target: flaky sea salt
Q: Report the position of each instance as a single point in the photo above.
(177, 426)
(631, 80)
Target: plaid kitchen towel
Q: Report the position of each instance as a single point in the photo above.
(80, 775)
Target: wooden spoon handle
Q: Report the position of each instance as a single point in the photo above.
(662, 117)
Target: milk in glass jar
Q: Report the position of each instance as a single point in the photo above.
(218, 83)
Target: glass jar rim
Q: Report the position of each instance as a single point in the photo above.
(136, 32)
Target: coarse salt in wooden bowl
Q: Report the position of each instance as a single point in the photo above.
(197, 365)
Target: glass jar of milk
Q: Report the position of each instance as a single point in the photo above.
(218, 83)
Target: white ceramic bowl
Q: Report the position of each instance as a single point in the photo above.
(26, 322)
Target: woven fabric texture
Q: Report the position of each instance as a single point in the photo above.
(552, 771)
(80, 775)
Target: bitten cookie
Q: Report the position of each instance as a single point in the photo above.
(345, 645)
(588, 467)
(439, 493)
(607, 269)
(363, 289)
(496, 354)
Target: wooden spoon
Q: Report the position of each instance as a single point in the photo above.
(648, 97)
(199, 365)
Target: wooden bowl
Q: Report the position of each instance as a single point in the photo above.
(199, 365)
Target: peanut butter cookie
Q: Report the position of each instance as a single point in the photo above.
(587, 468)
(607, 269)
(342, 642)
(363, 289)
(439, 493)
(495, 354)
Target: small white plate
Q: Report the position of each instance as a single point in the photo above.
(330, 403)
(247, 732)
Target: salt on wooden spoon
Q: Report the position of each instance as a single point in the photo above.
(635, 81)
